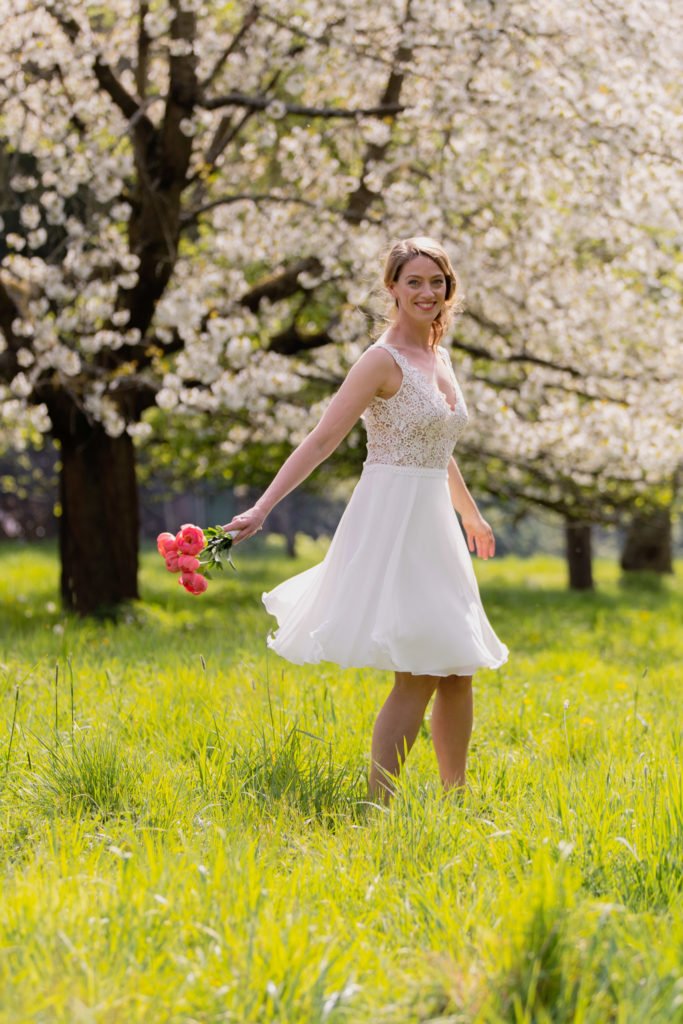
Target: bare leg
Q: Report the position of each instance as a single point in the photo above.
(452, 717)
(396, 727)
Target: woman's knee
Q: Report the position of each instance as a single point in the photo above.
(451, 685)
(414, 686)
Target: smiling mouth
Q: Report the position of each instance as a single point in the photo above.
(425, 305)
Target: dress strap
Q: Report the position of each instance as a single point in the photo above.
(458, 392)
(445, 356)
(398, 356)
(449, 365)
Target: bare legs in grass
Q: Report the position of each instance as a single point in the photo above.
(399, 721)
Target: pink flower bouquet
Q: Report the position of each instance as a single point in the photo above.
(194, 553)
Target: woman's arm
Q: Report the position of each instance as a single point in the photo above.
(479, 533)
(365, 380)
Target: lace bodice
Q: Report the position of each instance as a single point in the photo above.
(416, 426)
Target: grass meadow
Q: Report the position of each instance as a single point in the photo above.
(185, 833)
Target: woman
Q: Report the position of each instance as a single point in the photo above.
(396, 589)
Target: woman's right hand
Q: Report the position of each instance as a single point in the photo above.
(246, 524)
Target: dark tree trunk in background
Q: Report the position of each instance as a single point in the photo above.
(283, 520)
(99, 524)
(648, 543)
(290, 541)
(579, 555)
(288, 528)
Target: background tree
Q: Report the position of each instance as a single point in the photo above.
(219, 183)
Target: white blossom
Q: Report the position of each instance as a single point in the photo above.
(139, 431)
(166, 398)
(30, 216)
(238, 351)
(25, 357)
(21, 386)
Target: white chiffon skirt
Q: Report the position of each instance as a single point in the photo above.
(396, 589)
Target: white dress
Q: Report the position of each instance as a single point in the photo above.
(396, 589)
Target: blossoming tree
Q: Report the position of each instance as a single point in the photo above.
(195, 197)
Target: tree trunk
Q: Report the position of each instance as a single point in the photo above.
(579, 555)
(648, 543)
(283, 520)
(290, 541)
(99, 522)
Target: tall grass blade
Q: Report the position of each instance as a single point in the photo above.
(11, 734)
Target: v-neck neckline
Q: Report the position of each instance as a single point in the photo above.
(432, 384)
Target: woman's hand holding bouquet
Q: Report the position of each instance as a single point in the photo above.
(246, 524)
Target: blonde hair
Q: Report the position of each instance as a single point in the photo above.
(406, 249)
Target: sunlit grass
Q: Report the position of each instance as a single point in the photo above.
(188, 837)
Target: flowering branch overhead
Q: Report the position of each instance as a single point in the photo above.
(376, 149)
(106, 77)
(250, 17)
(292, 341)
(280, 285)
(198, 198)
(244, 197)
(279, 108)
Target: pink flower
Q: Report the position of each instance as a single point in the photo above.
(171, 558)
(190, 539)
(165, 543)
(193, 582)
(188, 563)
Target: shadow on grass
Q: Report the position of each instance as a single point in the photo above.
(524, 599)
(32, 617)
(521, 600)
(639, 591)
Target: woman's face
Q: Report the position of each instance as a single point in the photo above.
(420, 290)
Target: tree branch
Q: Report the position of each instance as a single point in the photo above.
(291, 341)
(361, 198)
(227, 131)
(240, 99)
(573, 499)
(9, 311)
(181, 99)
(548, 364)
(143, 51)
(280, 286)
(515, 357)
(249, 18)
(192, 215)
(286, 283)
(126, 103)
